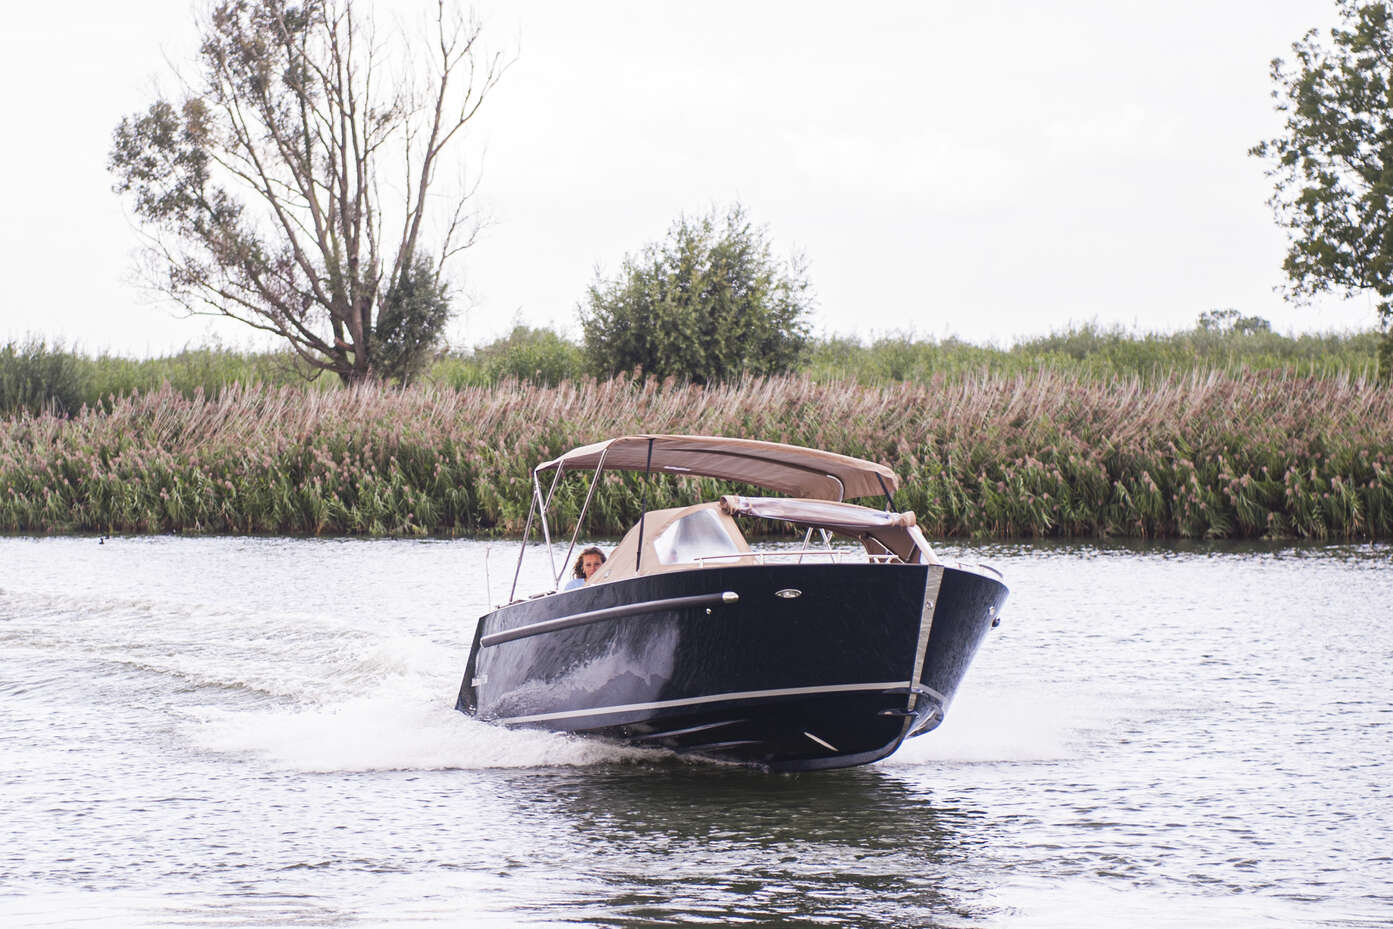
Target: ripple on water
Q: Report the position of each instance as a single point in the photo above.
(260, 732)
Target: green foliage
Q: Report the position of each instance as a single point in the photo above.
(1230, 320)
(35, 377)
(414, 313)
(1094, 351)
(1333, 164)
(541, 356)
(709, 303)
(538, 356)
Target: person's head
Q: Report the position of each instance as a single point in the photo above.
(589, 562)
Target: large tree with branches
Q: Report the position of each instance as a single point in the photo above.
(292, 183)
(1333, 162)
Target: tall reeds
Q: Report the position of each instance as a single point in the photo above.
(1034, 454)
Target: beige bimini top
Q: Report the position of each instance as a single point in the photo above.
(789, 469)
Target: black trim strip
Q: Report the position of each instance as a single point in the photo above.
(614, 612)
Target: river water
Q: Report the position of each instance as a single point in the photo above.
(260, 732)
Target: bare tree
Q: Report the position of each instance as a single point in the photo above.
(292, 186)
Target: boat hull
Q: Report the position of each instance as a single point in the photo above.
(789, 667)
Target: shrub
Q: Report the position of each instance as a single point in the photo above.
(35, 377)
(711, 302)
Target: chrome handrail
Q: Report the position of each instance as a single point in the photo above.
(724, 598)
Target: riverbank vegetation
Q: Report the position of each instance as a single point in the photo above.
(1052, 451)
(37, 376)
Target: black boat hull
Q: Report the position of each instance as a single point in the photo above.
(790, 667)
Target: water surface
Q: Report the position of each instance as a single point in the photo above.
(260, 732)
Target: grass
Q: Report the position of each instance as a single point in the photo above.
(1094, 351)
(1043, 452)
(35, 376)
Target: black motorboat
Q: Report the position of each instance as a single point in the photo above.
(823, 656)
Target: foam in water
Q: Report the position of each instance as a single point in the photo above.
(54, 909)
(386, 732)
(348, 696)
(391, 707)
(386, 703)
(995, 727)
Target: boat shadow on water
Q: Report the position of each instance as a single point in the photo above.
(657, 843)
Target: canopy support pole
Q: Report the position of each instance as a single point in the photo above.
(584, 508)
(526, 531)
(643, 504)
(889, 500)
(542, 514)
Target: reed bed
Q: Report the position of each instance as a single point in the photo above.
(1045, 453)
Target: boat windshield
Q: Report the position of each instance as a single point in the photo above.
(696, 535)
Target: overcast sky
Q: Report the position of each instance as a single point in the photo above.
(989, 170)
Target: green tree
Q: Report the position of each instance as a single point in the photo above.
(291, 183)
(1333, 163)
(710, 302)
(35, 377)
(542, 356)
(1230, 320)
(414, 312)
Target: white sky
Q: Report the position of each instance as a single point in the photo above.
(991, 170)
